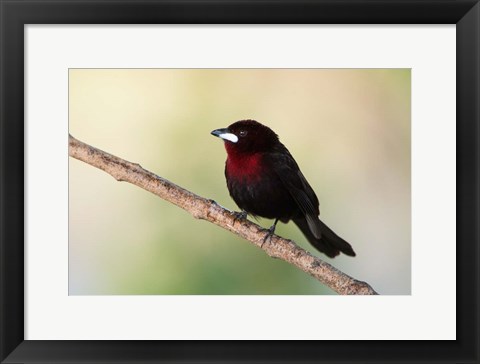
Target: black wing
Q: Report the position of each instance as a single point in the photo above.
(294, 181)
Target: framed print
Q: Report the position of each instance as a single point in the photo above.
(376, 101)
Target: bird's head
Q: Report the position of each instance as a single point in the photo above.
(247, 137)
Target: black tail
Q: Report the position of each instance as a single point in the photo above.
(330, 243)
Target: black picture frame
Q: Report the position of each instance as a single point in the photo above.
(15, 14)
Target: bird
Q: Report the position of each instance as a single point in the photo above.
(264, 180)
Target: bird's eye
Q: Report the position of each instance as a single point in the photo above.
(242, 133)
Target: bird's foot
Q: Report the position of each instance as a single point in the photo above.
(270, 232)
(239, 216)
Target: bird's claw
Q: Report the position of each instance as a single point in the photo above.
(239, 216)
(268, 236)
(270, 232)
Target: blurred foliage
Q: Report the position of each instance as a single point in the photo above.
(348, 129)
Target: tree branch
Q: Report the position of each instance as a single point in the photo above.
(202, 208)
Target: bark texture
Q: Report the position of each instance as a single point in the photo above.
(209, 210)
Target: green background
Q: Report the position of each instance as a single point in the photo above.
(348, 129)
